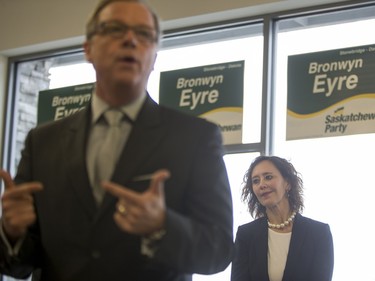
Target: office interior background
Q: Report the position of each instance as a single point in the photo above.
(40, 48)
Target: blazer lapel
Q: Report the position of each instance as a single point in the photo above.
(75, 148)
(296, 242)
(261, 248)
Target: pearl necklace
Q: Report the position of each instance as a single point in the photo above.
(284, 224)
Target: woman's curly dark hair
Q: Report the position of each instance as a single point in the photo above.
(289, 173)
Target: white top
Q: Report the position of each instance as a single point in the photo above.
(278, 248)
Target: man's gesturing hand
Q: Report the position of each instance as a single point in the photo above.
(140, 213)
(17, 206)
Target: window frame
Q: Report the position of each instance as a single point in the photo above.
(270, 27)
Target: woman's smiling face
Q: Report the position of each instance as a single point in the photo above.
(268, 185)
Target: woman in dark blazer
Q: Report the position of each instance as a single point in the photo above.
(280, 244)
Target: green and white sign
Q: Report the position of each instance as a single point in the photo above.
(58, 103)
(213, 92)
(331, 93)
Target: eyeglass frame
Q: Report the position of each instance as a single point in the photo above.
(144, 34)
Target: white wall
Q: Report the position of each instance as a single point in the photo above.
(25, 23)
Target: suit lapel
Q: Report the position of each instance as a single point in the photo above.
(75, 152)
(145, 137)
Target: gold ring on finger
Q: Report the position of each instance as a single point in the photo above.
(122, 209)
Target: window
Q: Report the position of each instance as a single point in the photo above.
(219, 46)
(335, 170)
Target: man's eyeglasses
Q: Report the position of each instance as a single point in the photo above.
(117, 30)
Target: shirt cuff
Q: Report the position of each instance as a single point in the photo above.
(150, 243)
(12, 250)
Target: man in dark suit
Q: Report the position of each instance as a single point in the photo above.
(163, 214)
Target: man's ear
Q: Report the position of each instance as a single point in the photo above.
(87, 50)
(153, 65)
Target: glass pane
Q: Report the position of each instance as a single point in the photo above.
(335, 170)
(244, 43)
(34, 76)
(237, 165)
(78, 73)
